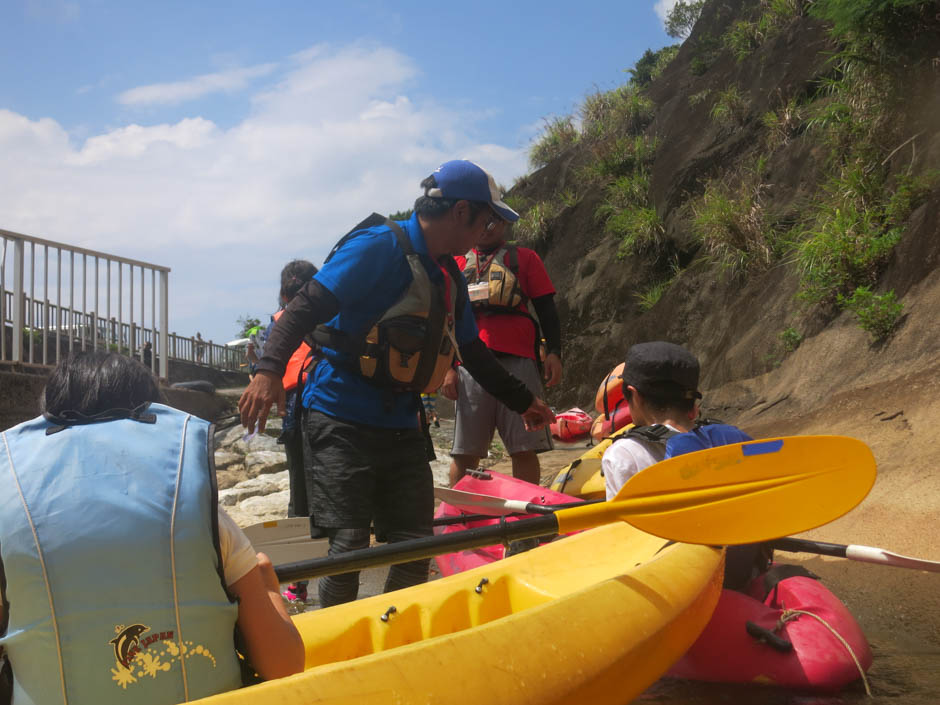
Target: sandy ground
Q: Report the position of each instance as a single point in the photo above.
(897, 419)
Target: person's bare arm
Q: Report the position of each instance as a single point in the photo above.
(275, 648)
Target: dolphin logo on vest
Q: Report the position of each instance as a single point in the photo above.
(125, 641)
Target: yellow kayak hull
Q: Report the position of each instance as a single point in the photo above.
(583, 477)
(594, 618)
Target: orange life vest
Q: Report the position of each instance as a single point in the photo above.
(297, 362)
(610, 392)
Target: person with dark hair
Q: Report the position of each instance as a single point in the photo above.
(503, 278)
(294, 276)
(120, 576)
(660, 383)
(390, 311)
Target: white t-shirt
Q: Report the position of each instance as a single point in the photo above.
(625, 458)
(238, 556)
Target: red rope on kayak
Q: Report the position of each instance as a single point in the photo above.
(790, 615)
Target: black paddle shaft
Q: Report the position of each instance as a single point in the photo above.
(416, 549)
(806, 546)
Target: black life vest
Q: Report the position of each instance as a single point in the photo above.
(411, 345)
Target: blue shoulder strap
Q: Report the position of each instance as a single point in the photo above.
(703, 437)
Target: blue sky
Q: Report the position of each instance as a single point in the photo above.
(223, 139)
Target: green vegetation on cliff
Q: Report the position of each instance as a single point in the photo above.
(846, 120)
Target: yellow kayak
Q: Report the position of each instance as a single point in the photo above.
(595, 618)
(583, 477)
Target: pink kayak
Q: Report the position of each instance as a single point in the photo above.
(794, 634)
(497, 485)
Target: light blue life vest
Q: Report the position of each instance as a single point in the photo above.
(109, 543)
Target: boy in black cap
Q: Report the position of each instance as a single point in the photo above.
(660, 383)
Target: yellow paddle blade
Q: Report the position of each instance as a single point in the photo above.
(741, 493)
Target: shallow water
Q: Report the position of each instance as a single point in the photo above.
(901, 674)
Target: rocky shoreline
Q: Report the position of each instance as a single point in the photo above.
(252, 471)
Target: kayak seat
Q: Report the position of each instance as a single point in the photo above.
(410, 623)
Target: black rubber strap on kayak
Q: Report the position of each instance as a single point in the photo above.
(569, 473)
(775, 641)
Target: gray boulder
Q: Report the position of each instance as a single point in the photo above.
(263, 462)
(255, 487)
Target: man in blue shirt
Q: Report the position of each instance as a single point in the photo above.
(364, 453)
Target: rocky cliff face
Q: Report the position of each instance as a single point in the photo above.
(754, 123)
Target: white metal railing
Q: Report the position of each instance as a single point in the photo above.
(55, 299)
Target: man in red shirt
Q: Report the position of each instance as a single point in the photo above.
(502, 279)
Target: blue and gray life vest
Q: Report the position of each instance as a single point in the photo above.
(109, 544)
(412, 345)
(705, 435)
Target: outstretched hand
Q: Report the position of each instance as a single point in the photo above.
(538, 415)
(552, 367)
(255, 403)
(449, 385)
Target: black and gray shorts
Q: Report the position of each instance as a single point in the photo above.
(358, 474)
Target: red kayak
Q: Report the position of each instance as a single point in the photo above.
(780, 633)
(571, 425)
(497, 485)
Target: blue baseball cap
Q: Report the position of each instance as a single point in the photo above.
(464, 180)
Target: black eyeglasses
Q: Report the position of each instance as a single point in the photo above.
(492, 223)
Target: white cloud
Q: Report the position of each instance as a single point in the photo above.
(663, 7)
(180, 91)
(335, 138)
(133, 141)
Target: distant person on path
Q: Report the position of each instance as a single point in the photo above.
(255, 347)
(430, 408)
(147, 354)
(110, 508)
(294, 277)
(388, 308)
(660, 383)
(200, 346)
(503, 279)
